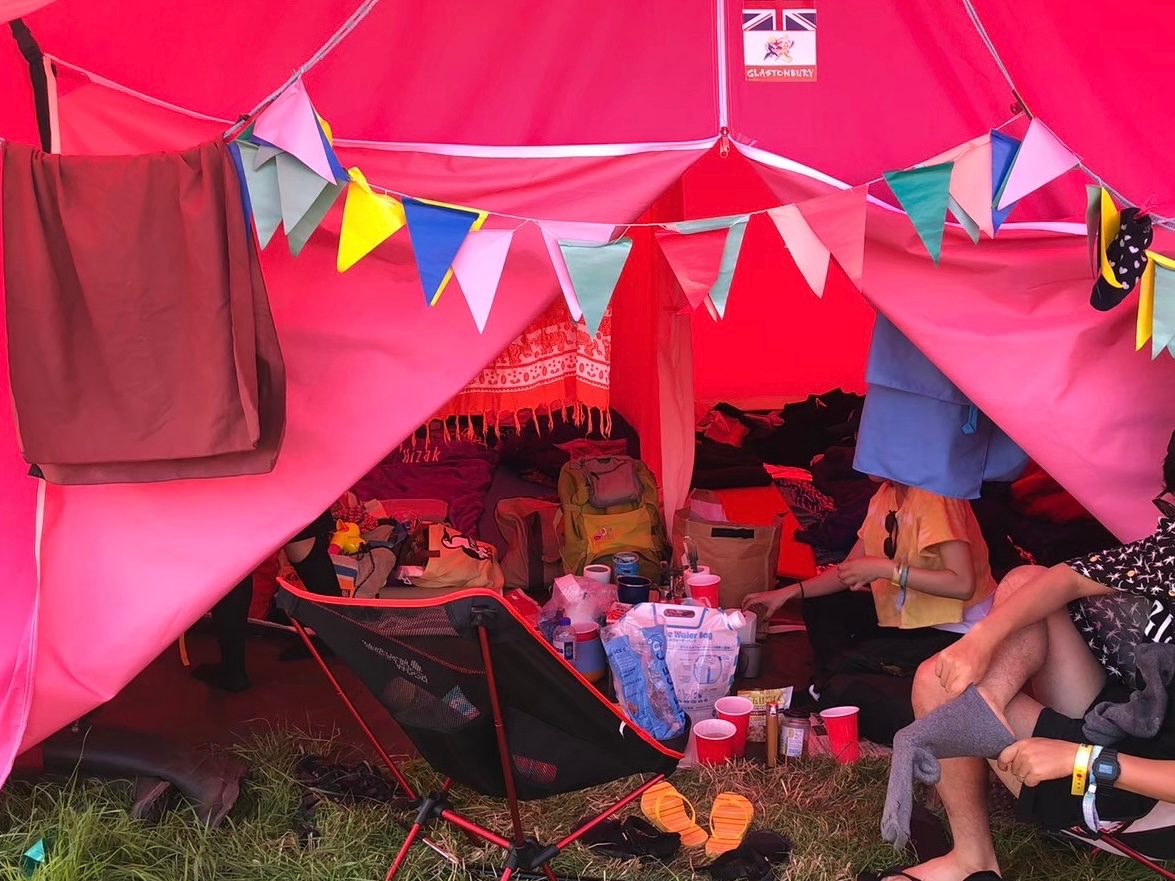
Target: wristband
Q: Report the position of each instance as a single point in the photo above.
(1081, 769)
(1089, 800)
(896, 578)
(802, 597)
(905, 576)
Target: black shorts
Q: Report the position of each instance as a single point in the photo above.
(1051, 804)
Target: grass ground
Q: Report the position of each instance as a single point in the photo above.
(830, 813)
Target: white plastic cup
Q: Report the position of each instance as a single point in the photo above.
(598, 572)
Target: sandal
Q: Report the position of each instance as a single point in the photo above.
(630, 840)
(670, 811)
(730, 818)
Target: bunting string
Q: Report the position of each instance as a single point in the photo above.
(977, 22)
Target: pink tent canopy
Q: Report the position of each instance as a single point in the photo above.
(601, 114)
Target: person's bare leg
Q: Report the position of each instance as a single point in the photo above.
(963, 785)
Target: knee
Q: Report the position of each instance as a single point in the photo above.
(927, 692)
(1015, 580)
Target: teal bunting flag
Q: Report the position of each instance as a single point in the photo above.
(924, 194)
(298, 187)
(437, 233)
(1163, 334)
(594, 271)
(736, 225)
(315, 214)
(264, 194)
(969, 226)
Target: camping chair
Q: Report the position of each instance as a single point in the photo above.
(487, 703)
(1152, 832)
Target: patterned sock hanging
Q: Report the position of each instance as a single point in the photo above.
(1127, 257)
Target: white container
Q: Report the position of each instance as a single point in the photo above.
(749, 632)
(597, 572)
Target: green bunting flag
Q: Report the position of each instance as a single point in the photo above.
(736, 226)
(1163, 336)
(924, 194)
(594, 271)
(264, 195)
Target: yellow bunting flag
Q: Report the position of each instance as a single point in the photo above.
(369, 219)
(1146, 304)
(1111, 220)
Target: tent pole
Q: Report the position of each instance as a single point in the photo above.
(40, 79)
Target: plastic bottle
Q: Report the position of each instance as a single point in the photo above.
(772, 735)
(564, 640)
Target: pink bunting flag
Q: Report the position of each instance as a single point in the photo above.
(696, 260)
(971, 183)
(838, 220)
(806, 249)
(291, 124)
(571, 231)
(1041, 160)
(478, 270)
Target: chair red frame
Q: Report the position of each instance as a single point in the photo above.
(522, 854)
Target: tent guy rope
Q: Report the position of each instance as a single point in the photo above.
(337, 37)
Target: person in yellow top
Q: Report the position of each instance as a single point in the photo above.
(923, 557)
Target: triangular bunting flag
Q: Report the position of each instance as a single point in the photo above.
(838, 220)
(1042, 158)
(437, 234)
(312, 219)
(970, 184)
(478, 270)
(1111, 220)
(265, 153)
(1093, 227)
(594, 271)
(1163, 306)
(1003, 154)
(695, 260)
(556, 230)
(804, 245)
(1144, 326)
(264, 195)
(369, 219)
(735, 228)
(970, 226)
(924, 194)
(299, 188)
(291, 124)
(336, 167)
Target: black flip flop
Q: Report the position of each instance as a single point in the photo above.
(741, 864)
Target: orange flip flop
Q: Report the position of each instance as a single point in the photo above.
(730, 819)
(670, 811)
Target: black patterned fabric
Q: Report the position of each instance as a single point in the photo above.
(1145, 571)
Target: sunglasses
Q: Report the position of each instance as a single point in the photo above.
(891, 542)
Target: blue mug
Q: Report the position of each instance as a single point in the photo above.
(633, 589)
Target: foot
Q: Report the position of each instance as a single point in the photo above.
(952, 867)
(219, 677)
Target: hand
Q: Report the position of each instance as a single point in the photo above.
(770, 601)
(962, 664)
(1037, 759)
(860, 573)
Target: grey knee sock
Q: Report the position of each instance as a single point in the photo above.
(966, 726)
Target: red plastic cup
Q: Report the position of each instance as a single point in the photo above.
(737, 711)
(715, 741)
(843, 740)
(704, 589)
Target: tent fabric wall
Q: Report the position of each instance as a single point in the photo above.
(356, 346)
(1009, 323)
(637, 86)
